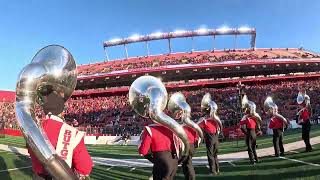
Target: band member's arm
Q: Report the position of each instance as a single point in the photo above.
(242, 124)
(309, 110)
(81, 160)
(299, 114)
(197, 139)
(284, 120)
(144, 148)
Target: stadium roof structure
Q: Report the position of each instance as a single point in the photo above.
(181, 34)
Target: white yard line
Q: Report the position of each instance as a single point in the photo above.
(232, 164)
(303, 162)
(6, 170)
(132, 169)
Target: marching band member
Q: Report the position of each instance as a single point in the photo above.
(211, 126)
(158, 146)
(68, 141)
(165, 141)
(248, 125)
(181, 111)
(194, 141)
(303, 118)
(277, 123)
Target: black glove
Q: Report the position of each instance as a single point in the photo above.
(149, 157)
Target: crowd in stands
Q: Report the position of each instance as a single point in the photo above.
(193, 58)
(112, 114)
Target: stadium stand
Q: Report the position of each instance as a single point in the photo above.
(194, 58)
(106, 111)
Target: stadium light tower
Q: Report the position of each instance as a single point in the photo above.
(183, 34)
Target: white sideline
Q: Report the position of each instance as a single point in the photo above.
(6, 170)
(303, 162)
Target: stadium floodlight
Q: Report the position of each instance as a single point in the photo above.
(224, 29)
(179, 32)
(244, 29)
(135, 37)
(156, 34)
(201, 31)
(115, 40)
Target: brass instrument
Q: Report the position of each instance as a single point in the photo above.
(210, 107)
(177, 104)
(271, 108)
(53, 67)
(148, 97)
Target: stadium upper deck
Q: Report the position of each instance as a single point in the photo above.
(195, 58)
(198, 65)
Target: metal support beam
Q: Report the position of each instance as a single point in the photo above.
(147, 48)
(106, 53)
(235, 42)
(169, 42)
(213, 42)
(192, 44)
(126, 51)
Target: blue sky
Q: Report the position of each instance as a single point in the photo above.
(82, 26)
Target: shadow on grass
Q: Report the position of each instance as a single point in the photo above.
(3, 166)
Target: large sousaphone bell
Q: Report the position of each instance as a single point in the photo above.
(177, 104)
(148, 97)
(251, 107)
(209, 106)
(52, 68)
(271, 108)
(303, 97)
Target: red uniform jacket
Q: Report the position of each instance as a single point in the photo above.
(81, 160)
(250, 122)
(276, 123)
(305, 115)
(209, 126)
(191, 133)
(156, 138)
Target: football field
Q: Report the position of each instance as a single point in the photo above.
(295, 165)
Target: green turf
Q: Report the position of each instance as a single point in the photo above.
(270, 168)
(126, 152)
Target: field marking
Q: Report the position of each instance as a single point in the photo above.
(208, 166)
(303, 162)
(129, 162)
(6, 170)
(294, 152)
(109, 168)
(232, 164)
(132, 169)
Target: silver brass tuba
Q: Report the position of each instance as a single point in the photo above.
(303, 97)
(271, 108)
(148, 97)
(178, 103)
(209, 106)
(250, 107)
(53, 67)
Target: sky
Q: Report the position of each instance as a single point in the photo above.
(82, 26)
